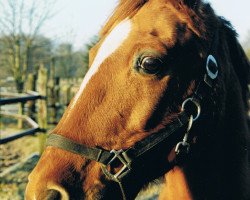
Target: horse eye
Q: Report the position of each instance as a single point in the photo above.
(150, 65)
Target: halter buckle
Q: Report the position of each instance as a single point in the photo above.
(122, 157)
(182, 147)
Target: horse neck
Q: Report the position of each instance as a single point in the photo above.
(233, 141)
(219, 168)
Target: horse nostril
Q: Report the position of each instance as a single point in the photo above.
(53, 195)
(57, 193)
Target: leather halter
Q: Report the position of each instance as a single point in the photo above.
(129, 157)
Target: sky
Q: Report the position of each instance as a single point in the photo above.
(76, 21)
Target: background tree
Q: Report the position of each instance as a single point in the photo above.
(69, 63)
(88, 46)
(20, 24)
(64, 60)
(246, 44)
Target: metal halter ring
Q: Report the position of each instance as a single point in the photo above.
(197, 105)
(212, 73)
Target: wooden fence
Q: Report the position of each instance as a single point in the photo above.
(41, 106)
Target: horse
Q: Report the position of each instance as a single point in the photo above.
(165, 96)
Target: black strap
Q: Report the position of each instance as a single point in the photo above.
(104, 156)
(92, 153)
(145, 145)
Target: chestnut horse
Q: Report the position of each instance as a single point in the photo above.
(165, 96)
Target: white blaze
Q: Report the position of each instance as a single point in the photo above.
(112, 42)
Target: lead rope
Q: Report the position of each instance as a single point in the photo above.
(122, 191)
(106, 173)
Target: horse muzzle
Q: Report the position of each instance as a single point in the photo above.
(53, 192)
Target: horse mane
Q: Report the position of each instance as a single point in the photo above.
(128, 8)
(125, 8)
(238, 59)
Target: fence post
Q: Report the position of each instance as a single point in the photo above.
(57, 95)
(31, 86)
(65, 95)
(51, 100)
(41, 104)
(20, 112)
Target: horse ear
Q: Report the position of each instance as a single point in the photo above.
(192, 3)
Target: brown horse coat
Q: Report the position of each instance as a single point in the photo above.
(150, 58)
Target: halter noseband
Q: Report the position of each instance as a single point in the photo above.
(129, 156)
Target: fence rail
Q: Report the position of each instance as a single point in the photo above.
(21, 134)
(16, 98)
(20, 98)
(52, 95)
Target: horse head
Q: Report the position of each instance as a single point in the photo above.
(163, 73)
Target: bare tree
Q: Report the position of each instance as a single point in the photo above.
(20, 24)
